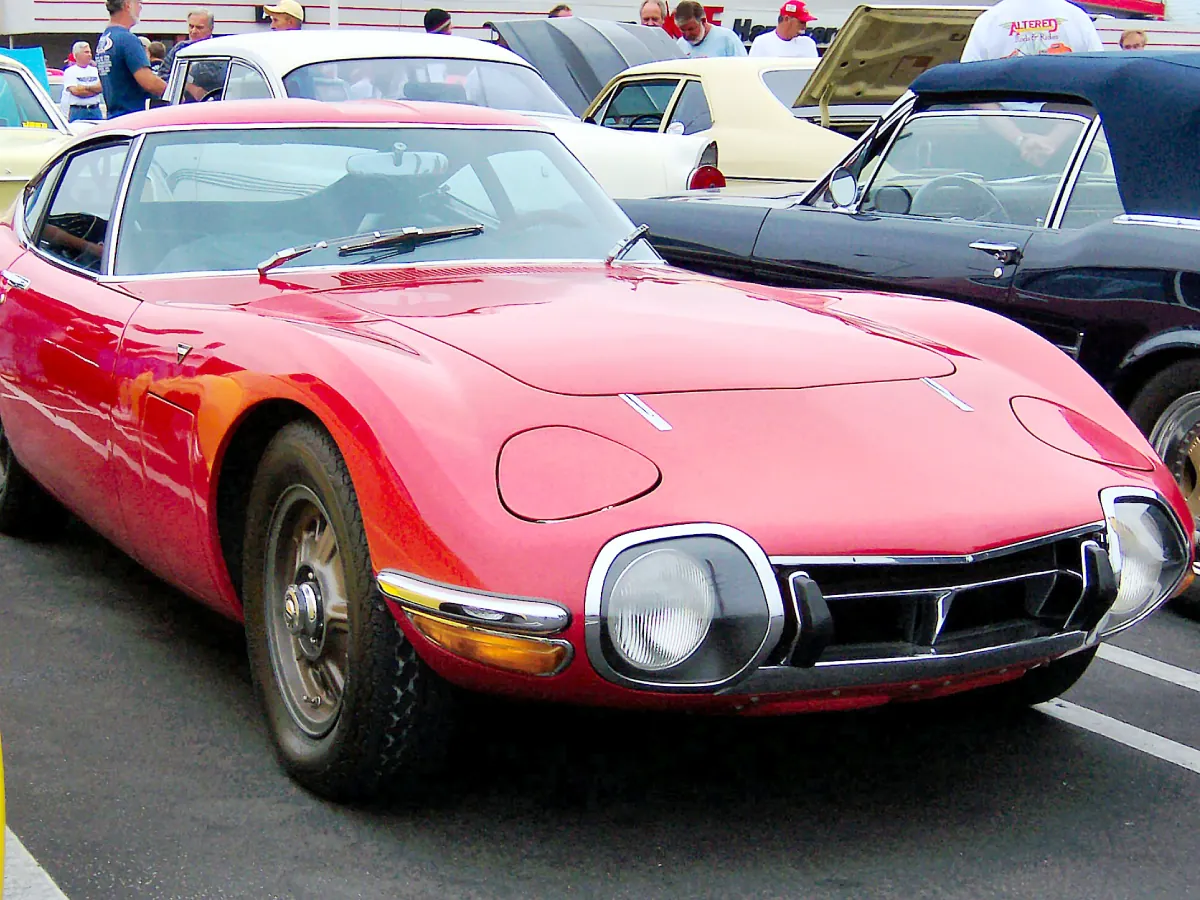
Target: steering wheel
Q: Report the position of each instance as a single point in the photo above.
(958, 196)
(654, 118)
(214, 94)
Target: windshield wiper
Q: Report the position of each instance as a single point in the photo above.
(625, 243)
(415, 236)
(369, 240)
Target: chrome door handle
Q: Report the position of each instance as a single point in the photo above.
(1007, 254)
(12, 279)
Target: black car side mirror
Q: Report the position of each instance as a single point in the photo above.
(843, 187)
(892, 198)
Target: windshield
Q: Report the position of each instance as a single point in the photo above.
(786, 84)
(478, 82)
(19, 108)
(226, 200)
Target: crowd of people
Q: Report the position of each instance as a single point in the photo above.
(128, 70)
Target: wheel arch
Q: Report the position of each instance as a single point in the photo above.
(1148, 358)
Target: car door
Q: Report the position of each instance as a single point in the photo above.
(1100, 282)
(60, 379)
(945, 205)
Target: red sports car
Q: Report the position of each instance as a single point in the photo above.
(400, 387)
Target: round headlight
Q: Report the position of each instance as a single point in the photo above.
(660, 609)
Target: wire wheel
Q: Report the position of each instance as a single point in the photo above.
(307, 610)
(1176, 439)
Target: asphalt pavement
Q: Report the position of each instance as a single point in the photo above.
(137, 766)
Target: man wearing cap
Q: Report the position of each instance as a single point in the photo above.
(702, 38)
(788, 38)
(286, 15)
(437, 21)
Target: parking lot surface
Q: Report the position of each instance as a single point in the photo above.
(137, 766)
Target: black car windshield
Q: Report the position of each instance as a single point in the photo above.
(227, 199)
(478, 82)
(19, 108)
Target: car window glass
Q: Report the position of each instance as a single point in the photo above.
(37, 195)
(1095, 197)
(982, 165)
(786, 84)
(19, 108)
(225, 200)
(640, 106)
(477, 82)
(245, 83)
(204, 79)
(691, 113)
(862, 162)
(76, 226)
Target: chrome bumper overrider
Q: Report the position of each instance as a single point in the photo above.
(900, 670)
(519, 615)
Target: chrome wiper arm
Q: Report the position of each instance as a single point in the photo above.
(279, 257)
(625, 243)
(416, 236)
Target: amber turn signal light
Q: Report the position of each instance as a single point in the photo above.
(526, 655)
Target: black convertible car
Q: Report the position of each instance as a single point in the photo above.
(1062, 191)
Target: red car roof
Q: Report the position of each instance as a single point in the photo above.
(304, 112)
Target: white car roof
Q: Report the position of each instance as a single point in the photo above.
(284, 51)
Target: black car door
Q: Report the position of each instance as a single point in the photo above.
(946, 204)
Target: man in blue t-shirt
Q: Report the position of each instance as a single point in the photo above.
(125, 71)
(702, 38)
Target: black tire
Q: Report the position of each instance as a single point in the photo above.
(390, 723)
(26, 510)
(1034, 687)
(1167, 410)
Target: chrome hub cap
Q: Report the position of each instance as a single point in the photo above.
(307, 610)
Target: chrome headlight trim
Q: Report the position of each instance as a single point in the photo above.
(499, 612)
(594, 596)
(1109, 499)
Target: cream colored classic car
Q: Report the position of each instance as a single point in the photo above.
(31, 128)
(765, 113)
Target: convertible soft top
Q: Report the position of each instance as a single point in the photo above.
(1149, 104)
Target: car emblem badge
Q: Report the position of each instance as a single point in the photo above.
(181, 352)
(644, 410)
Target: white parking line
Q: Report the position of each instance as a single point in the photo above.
(1116, 730)
(1147, 666)
(24, 879)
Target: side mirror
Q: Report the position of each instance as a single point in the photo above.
(892, 198)
(843, 187)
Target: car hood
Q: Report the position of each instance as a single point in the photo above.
(23, 150)
(640, 329)
(878, 52)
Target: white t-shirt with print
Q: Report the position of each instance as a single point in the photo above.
(1030, 27)
(769, 43)
(78, 76)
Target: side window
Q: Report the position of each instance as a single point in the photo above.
(76, 226)
(532, 182)
(1095, 197)
(246, 83)
(204, 79)
(37, 195)
(691, 113)
(639, 106)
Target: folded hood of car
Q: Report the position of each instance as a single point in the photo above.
(880, 50)
(639, 329)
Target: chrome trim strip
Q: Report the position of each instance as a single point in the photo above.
(499, 612)
(1109, 498)
(357, 126)
(114, 226)
(842, 674)
(1066, 186)
(947, 394)
(1158, 221)
(593, 598)
(642, 408)
(950, 588)
(934, 560)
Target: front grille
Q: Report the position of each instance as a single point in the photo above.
(914, 606)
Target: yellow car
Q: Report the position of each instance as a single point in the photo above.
(31, 128)
(765, 114)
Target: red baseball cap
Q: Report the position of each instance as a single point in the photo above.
(796, 9)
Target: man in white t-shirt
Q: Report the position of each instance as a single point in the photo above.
(82, 92)
(1029, 28)
(788, 38)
